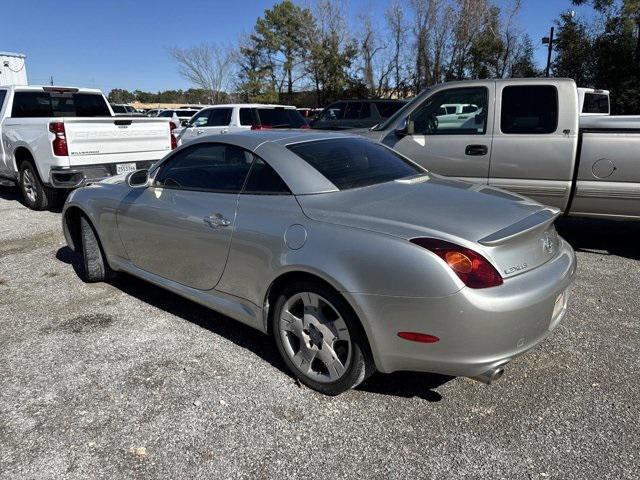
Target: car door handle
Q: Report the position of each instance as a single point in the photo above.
(199, 132)
(476, 150)
(224, 131)
(216, 221)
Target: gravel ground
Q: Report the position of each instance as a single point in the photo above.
(125, 380)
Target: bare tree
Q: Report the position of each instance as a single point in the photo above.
(395, 18)
(207, 66)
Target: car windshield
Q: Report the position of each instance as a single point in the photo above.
(354, 162)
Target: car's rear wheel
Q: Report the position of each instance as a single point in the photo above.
(96, 269)
(319, 338)
(36, 196)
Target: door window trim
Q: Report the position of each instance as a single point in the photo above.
(555, 89)
(169, 159)
(486, 113)
(154, 171)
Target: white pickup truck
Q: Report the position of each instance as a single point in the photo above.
(58, 138)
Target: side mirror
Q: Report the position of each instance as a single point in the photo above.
(404, 127)
(138, 179)
(187, 124)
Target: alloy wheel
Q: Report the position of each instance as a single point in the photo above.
(28, 185)
(315, 337)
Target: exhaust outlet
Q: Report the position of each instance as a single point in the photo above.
(490, 376)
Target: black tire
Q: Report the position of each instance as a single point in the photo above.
(360, 366)
(96, 269)
(35, 195)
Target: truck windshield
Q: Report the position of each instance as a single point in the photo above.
(67, 104)
(399, 114)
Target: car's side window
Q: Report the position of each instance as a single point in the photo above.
(529, 109)
(201, 119)
(206, 167)
(264, 180)
(246, 117)
(220, 117)
(437, 115)
(352, 112)
(333, 112)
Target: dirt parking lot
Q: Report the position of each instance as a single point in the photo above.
(125, 380)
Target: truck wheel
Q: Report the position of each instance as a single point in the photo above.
(36, 196)
(96, 268)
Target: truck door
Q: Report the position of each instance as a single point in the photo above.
(450, 132)
(535, 139)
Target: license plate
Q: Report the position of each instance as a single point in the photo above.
(125, 168)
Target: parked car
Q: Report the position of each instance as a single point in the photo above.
(240, 117)
(593, 102)
(125, 110)
(354, 258)
(183, 115)
(153, 112)
(527, 136)
(356, 114)
(56, 138)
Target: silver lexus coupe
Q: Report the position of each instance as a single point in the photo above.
(351, 256)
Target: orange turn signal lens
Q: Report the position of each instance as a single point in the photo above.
(459, 262)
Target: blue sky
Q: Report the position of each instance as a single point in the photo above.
(108, 43)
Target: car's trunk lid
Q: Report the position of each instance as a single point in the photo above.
(513, 232)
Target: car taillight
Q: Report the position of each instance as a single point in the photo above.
(60, 141)
(174, 140)
(260, 127)
(473, 269)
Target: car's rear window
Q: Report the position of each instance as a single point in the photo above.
(354, 162)
(54, 104)
(280, 118)
(595, 103)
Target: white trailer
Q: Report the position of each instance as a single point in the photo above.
(13, 68)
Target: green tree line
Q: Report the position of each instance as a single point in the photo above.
(604, 52)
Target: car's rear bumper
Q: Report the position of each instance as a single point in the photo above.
(477, 329)
(74, 177)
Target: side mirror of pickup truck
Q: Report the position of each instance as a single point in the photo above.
(404, 127)
(138, 179)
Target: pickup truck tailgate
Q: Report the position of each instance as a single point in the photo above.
(107, 140)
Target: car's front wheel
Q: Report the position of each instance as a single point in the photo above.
(96, 268)
(319, 338)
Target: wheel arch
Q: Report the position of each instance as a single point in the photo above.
(22, 154)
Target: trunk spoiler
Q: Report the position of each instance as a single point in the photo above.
(537, 221)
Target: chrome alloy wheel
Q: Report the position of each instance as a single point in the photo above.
(28, 185)
(315, 337)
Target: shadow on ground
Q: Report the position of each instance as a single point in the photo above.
(404, 384)
(620, 238)
(13, 194)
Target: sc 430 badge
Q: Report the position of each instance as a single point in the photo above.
(515, 268)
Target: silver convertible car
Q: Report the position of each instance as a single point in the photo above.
(351, 256)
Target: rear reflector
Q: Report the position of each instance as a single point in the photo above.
(418, 337)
